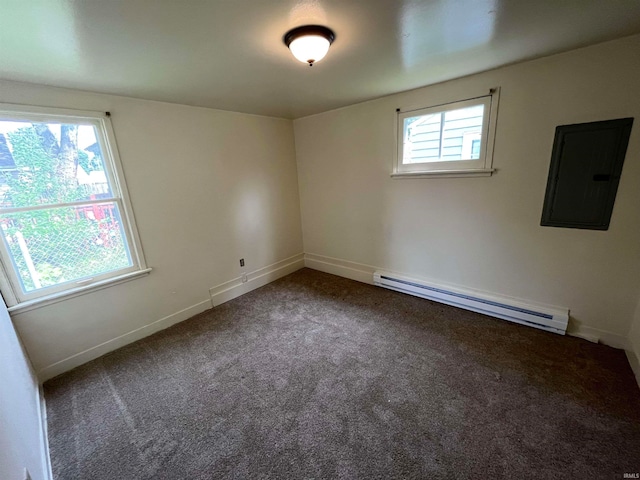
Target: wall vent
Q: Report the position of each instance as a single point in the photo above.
(545, 318)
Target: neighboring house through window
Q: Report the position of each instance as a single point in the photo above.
(450, 139)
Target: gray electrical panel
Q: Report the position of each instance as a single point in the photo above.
(585, 170)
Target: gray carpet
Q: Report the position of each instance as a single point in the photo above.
(316, 376)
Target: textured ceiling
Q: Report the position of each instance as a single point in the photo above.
(229, 54)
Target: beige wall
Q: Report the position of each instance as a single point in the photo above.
(21, 432)
(207, 187)
(485, 233)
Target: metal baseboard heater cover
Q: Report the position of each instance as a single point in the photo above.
(551, 319)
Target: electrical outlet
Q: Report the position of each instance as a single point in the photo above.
(242, 262)
(244, 278)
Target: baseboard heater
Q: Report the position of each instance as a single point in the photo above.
(545, 318)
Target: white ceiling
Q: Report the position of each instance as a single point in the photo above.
(229, 54)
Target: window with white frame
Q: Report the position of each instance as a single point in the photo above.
(450, 139)
(65, 219)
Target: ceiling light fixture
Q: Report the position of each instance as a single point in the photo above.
(309, 43)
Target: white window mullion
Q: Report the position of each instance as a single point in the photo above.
(8, 281)
(441, 140)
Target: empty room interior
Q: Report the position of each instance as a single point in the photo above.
(319, 239)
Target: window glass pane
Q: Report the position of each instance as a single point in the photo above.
(48, 163)
(422, 138)
(458, 124)
(443, 137)
(57, 245)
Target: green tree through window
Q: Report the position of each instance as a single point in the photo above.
(50, 241)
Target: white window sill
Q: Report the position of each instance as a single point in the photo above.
(474, 172)
(74, 292)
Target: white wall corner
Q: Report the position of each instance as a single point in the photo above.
(634, 361)
(23, 436)
(46, 460)
(234, 288)
(596, 335)
(343, 268)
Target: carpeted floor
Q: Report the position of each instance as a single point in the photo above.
(316, 376)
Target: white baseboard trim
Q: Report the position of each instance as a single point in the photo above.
(596, 335)
(234, 288)
(364, 273)
(220, 294)
(634, 361)
(44, 435)
(343, 268)
(92, 353)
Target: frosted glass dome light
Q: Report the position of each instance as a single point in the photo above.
(309, 49)
(309, 43)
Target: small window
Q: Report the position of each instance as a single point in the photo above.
(451, 139)
(64, 216)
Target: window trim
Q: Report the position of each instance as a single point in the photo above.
(483, 166)
(75, 292)
(13, 296)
